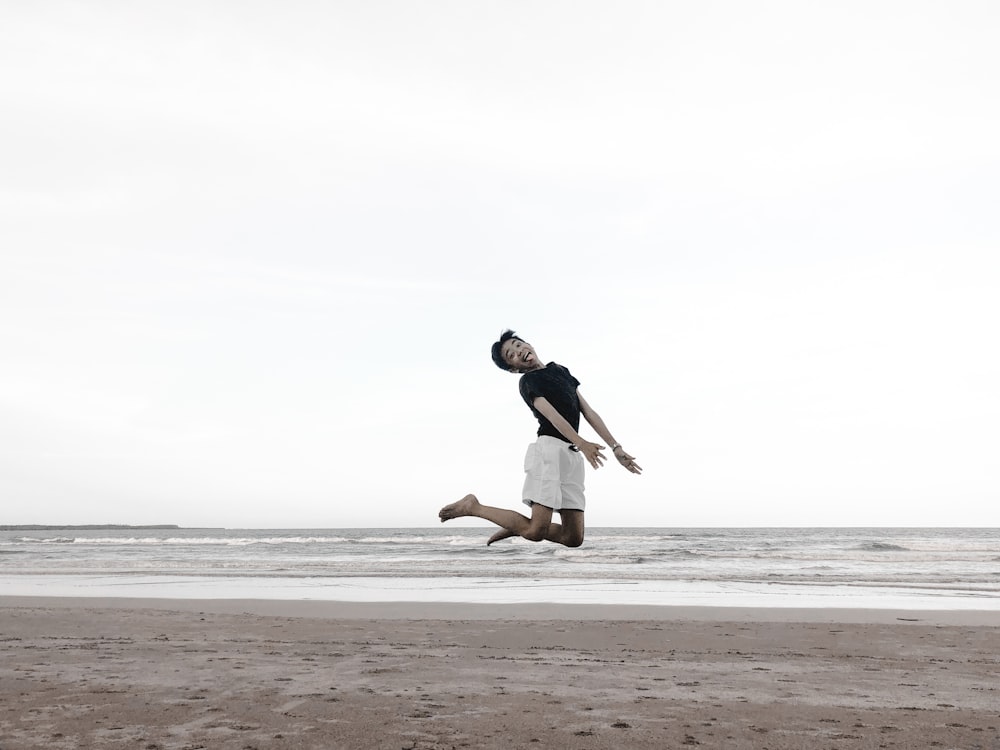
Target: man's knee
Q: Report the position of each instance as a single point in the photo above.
(572, 540)
(536, 533)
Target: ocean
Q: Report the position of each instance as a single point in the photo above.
(908, 568)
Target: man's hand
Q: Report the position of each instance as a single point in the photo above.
(627, 461)
(592, 452)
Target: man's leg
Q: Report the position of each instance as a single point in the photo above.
(534, 529)
(502, 534)
(568, 533)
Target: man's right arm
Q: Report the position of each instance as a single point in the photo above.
(591, 451)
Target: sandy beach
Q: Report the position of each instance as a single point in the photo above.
(180, 675)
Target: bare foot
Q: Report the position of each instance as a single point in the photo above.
(502, 534)
(464, 507)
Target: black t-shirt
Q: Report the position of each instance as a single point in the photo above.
(558, 386)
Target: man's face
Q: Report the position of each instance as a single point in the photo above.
(519, 355)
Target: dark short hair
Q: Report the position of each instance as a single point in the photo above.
(497, 351)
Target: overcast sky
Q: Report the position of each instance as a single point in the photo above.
(253, 256)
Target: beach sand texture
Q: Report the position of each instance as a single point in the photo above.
(77, 675)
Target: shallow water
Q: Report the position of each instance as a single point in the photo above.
(913, 568)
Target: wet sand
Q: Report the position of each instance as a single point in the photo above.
(173, 674)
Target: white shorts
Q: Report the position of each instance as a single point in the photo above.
(553, 475)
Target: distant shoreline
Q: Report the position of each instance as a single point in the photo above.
(87, 527)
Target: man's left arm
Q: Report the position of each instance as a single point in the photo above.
(595, 421)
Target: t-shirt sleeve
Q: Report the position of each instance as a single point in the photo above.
(529, 389)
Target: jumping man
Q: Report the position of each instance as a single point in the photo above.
(553, 465)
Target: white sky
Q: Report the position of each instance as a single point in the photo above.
(253, 255)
